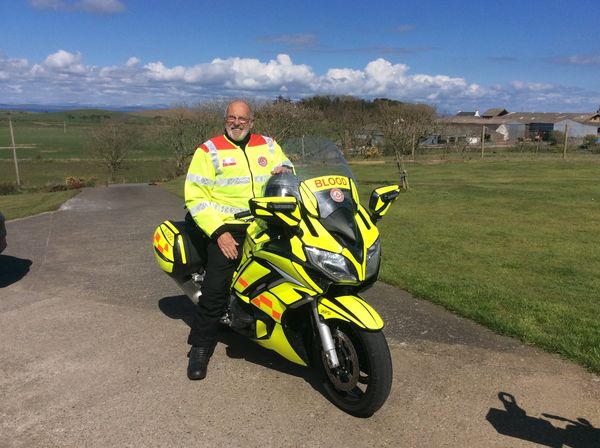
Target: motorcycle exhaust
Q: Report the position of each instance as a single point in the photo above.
(191, 287)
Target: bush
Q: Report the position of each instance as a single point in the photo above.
(7, 188)
(73, 183)
(54, 188)
(372, 151)
(590, 142)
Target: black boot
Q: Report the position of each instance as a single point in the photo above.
(198, 363)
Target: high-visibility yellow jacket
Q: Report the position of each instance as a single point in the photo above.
(222, 177)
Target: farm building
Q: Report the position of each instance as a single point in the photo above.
(503, 126)
(576, 129)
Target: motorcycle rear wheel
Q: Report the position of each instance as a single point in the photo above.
(362, 383)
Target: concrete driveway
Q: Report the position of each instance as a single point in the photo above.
(93, 353)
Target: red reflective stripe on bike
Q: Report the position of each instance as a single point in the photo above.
(266, 301)
(165, 247)
(262, 300)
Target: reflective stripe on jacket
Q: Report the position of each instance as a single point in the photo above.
(222, 178)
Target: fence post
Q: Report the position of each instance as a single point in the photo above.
(482, 140)
(566, 139)
(14, 148)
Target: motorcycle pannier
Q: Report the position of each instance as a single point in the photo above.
(179, 248)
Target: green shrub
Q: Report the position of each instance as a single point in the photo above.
(7, 188)
(54, 188)
(73, 183)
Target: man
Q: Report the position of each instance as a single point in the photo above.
(226, 171)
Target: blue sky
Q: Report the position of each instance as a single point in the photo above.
(526, 55)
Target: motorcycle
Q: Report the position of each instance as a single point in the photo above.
(310, 249)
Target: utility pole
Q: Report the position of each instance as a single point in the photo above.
(482, 140)
(566, 139)
(12, 137)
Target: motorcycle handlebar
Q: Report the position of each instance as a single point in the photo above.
(244, 214)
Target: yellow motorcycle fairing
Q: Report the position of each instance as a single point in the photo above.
(278, 342)
(276, 282)
(315, 234)
(351, 309)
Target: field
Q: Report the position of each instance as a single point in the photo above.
(53, 146)
(512, 245)
(510, 241)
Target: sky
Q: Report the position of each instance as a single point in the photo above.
(527, 55)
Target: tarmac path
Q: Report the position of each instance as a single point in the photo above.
(93, 354)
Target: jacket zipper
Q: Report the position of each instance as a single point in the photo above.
(249, 170)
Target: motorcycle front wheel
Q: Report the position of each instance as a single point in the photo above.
(362, 382)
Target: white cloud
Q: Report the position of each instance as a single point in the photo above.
(63, 77)
(589, 59)
(93, 6)
(133, 62)
(48, 4)
(62, 59)
(531, 86)
(296, 40)
(101, 6)
(405, 28)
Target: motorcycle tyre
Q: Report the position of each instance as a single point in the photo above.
(374, 360)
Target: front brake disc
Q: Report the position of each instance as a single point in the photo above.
(347, 375)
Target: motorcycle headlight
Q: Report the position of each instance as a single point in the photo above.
(373, 258)
(335, 266)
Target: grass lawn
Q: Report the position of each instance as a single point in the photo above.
(512, 245)
(37, 173)
(20, 205)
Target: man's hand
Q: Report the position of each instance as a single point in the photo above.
(281, 169)
(228, 245)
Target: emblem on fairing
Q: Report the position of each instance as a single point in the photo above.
(336, 194)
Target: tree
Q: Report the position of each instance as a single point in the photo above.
(404, 126)
(349, 119)
(184, 130)
(111, 141)
(283, 119)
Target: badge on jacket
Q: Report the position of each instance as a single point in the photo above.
(229, 161)
(262, 161)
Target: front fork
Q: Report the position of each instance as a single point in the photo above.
(326, 338)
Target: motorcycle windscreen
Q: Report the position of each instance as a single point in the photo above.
(337, 211)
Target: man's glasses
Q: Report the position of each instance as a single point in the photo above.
(230, 119)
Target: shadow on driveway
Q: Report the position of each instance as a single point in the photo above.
(12, 269)
(239, 347)
(513, 421)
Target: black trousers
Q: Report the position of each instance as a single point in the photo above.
(215, 293)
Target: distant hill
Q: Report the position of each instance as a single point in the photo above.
(70, 107)
(81, 116)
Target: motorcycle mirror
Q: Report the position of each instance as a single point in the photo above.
(381, 199)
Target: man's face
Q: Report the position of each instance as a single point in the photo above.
(238, 121)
